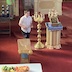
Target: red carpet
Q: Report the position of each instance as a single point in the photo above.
(51, 60)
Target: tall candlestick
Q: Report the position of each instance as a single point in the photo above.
(38, 18)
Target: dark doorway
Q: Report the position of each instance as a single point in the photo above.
(26, 4)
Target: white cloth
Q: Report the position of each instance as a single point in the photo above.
(26, 21)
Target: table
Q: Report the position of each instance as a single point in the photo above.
(34, 67)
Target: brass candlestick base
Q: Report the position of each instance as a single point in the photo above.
(39, 45)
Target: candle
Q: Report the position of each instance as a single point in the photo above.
(36, 14)
(41, 15)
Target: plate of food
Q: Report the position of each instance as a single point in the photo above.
(35, 67)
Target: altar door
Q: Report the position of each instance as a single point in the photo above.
(28, 4)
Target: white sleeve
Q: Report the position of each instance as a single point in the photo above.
(21, 20)
(31, 19)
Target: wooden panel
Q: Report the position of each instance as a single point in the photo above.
(67, 0)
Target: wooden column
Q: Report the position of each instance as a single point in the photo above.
(21, 8)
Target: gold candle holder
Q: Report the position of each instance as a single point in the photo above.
(38, 17)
